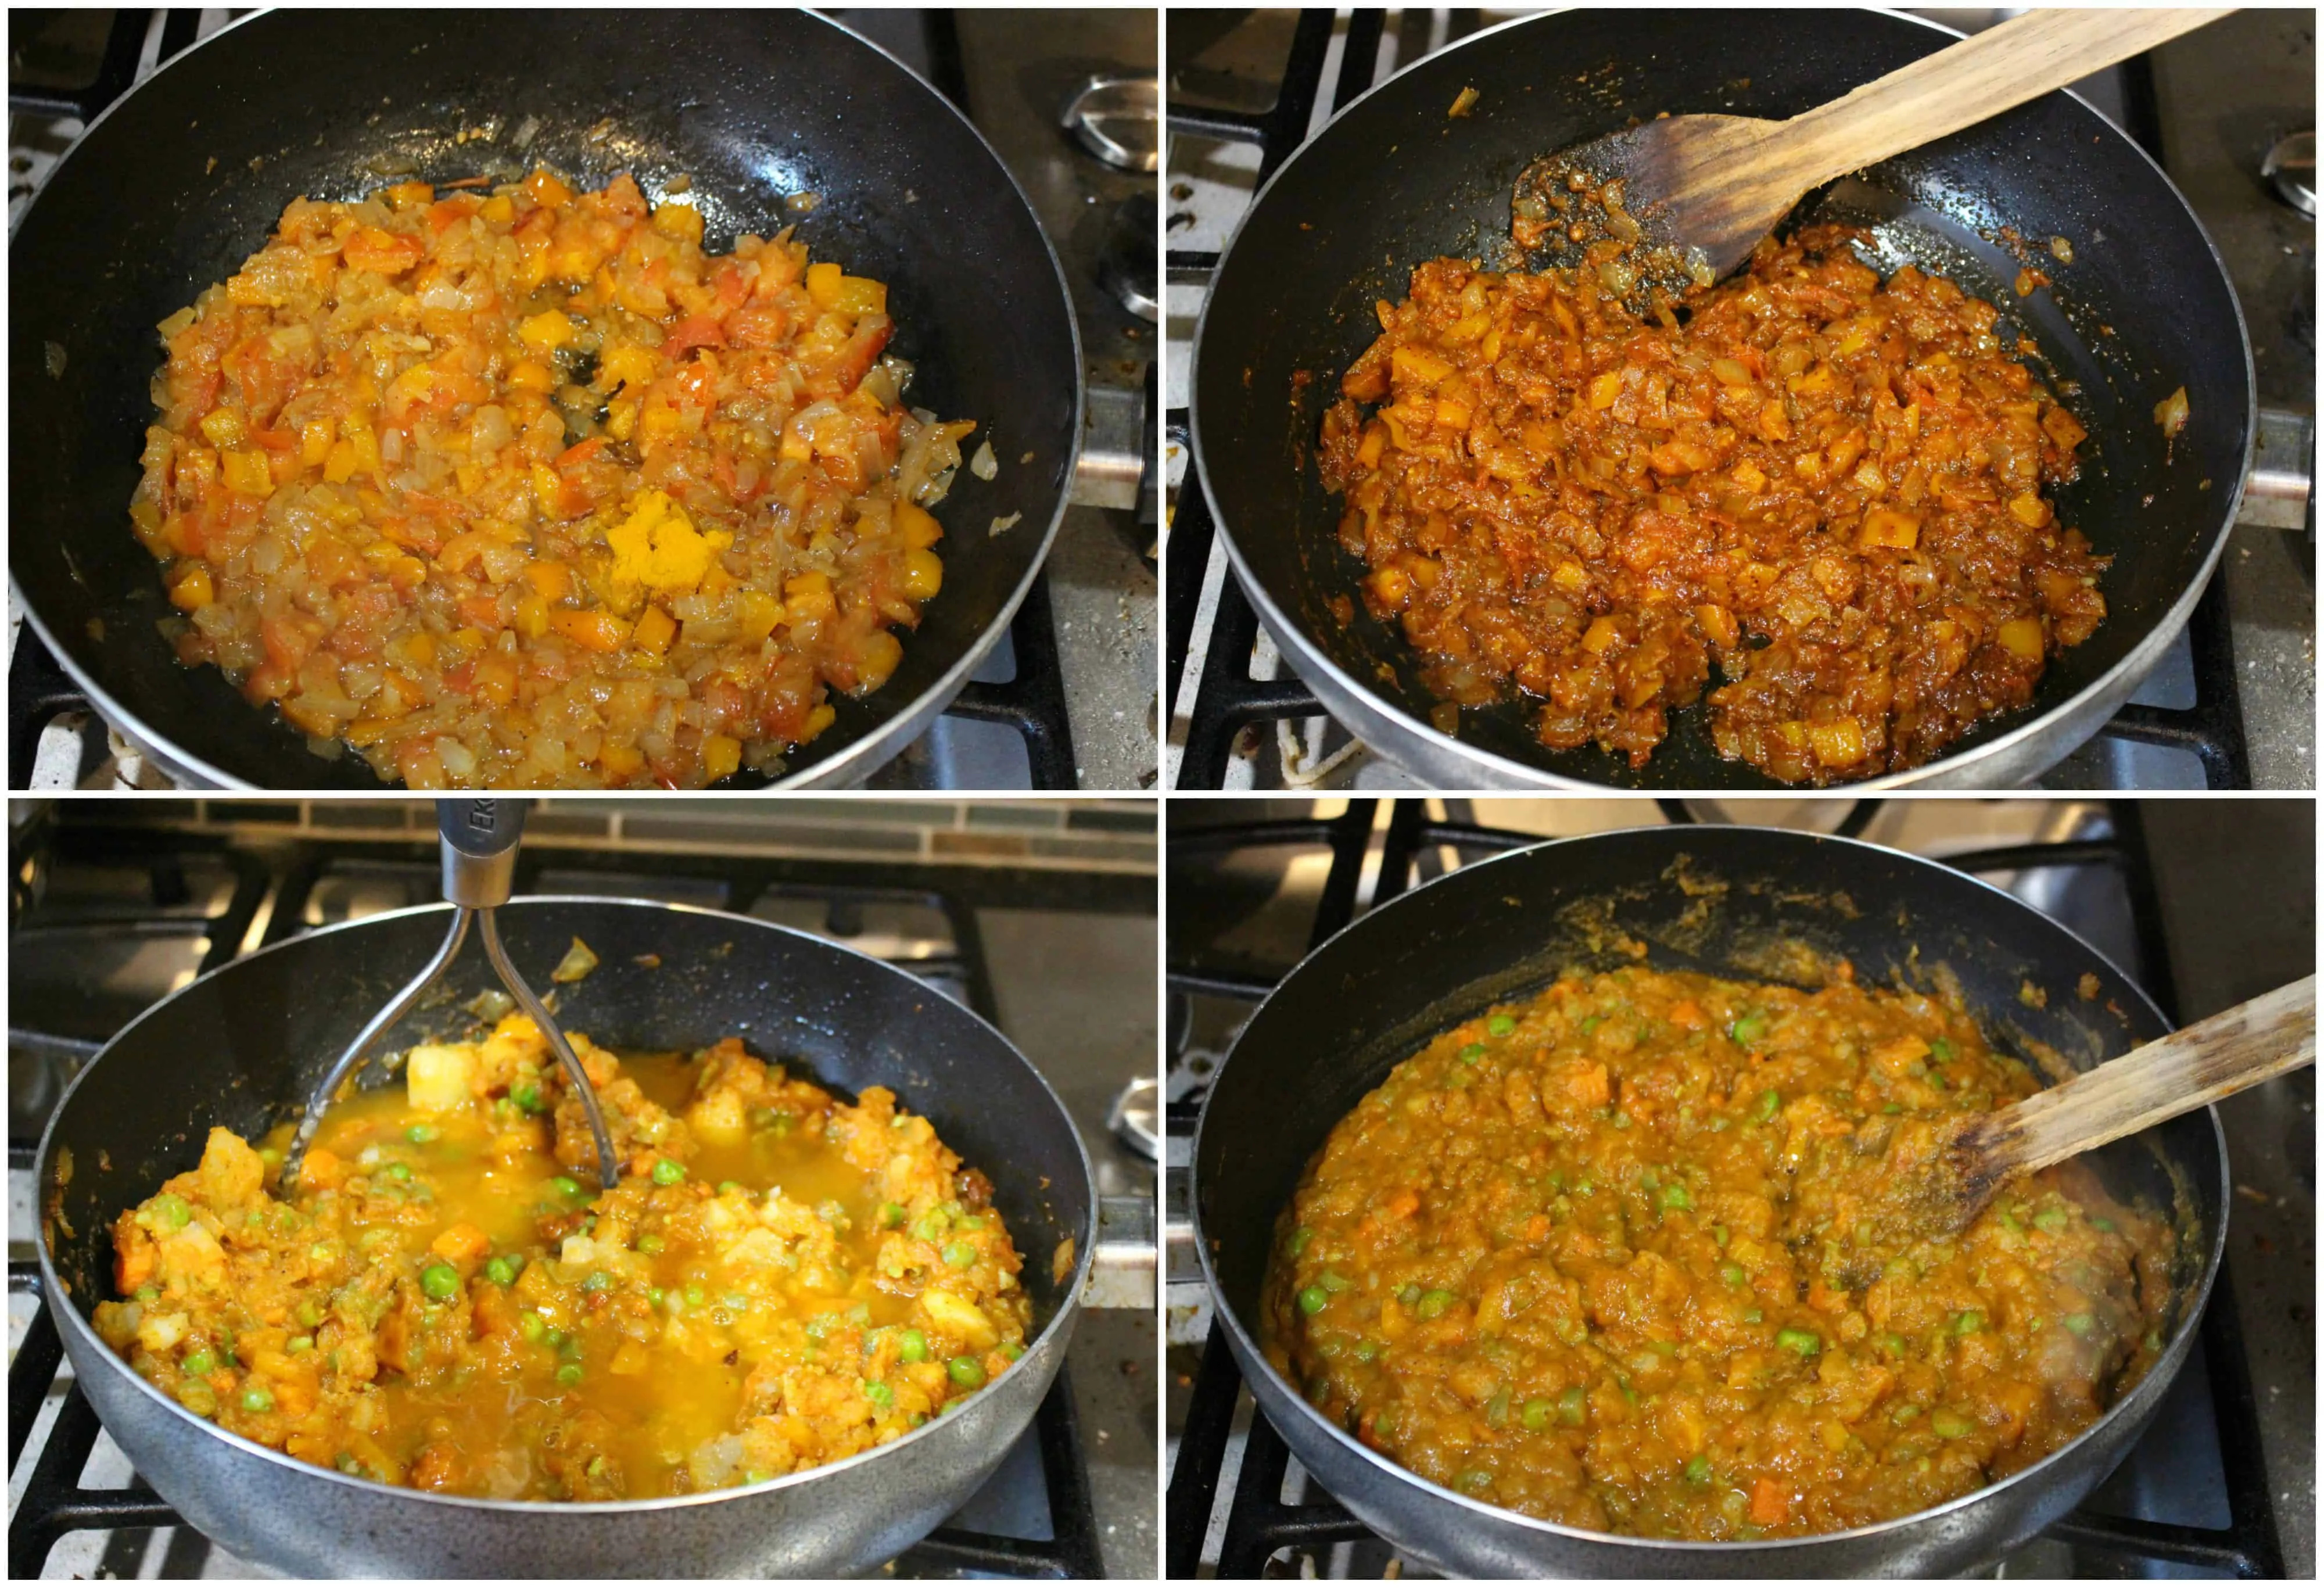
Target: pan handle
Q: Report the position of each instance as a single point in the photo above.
(2280, 489)
(1122, 1268)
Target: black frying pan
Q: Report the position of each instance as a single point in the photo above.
(2145, 306)
(240, 1047)
(1734, 902)
(185, 178)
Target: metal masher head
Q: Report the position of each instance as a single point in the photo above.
(480, 838)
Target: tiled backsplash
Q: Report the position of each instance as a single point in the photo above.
(1074, 834)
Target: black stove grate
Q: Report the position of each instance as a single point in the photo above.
(1228, 699)
(1260, 1525)
(1031, 702)
(55, 1504)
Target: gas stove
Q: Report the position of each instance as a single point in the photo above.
(2205, 903)
(1038, 915)
(1067, 100)
(2232, 703)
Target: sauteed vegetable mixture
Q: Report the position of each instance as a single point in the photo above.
(1602, 1257)
(521, 488)
(445, 1301)
(1833, 491)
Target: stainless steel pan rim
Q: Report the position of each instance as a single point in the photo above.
(69, 1319)
(1277, 1395)
(2007, 761)
(843, 769)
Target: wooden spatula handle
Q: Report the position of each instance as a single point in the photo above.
(2004, 67)
(2209, 1061)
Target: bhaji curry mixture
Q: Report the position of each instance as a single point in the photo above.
(1603, 1256)
(445, 1301)
(1831, 491)
(521, 488)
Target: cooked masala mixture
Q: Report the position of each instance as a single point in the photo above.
(1606, 1257)
(519, 488)
(443, 1300)
(1830, 491)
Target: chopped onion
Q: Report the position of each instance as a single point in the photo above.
(2171, 413)
(1000, 524)
(983, 464)
(577, 963)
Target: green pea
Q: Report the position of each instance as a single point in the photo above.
(891, 1214)
(1950, 1425)
(1769, 1105)
(1572, 1406)
(694, 1295)
(879, 1394)
(1535, 1414)
(2079, 1323)
(569, 1374)
(399, 1171)
(1313, 1299)
(1299, 1239)
(198, 1398)
(1472, 1053)
(1476, 1480)
(1674, 1197)
(959, 1254)
(2101, 1224)
(655, 1298)
(1718, 1234)
(1748, 1028)
(258, 1397)
(668, 1171)
(148, 1293)
(310, 1313)
(1698, 1471)
(726, 1185)
(1433, 1303)
(440, 1280)
(1904, 1413)
(933, 1225)
(299, 1342)
(966, 1372)
(651, 1245)
(1500, 1025)
(1942, 1050)
(200, 1364)
(912, 1345)
(1755, 1317)
(1800, 1343)
(1969, 1323)
(501, 1271)
(1733, 1274)
(173, 1210)
(598, 1280)
(421, 1134)
(527, 1097)
(532, 1326)
(567, 1186)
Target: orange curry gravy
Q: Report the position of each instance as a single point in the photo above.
(446, 1301)
(1557, 1260)
(1829, 490)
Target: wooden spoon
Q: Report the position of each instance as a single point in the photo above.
(1710, 186)
(2238, 1047)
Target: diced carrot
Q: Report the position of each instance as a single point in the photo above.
(654, 631)
(321, 1168)
(594, 628)
(388, 253)
(546, 191)
(461, 1242)
(1770, 1503)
